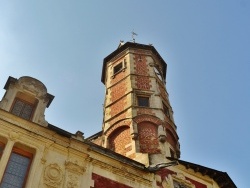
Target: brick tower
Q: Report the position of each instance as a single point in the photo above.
(138, 118)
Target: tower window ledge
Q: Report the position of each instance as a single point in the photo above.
(140, 92)
(146, 107)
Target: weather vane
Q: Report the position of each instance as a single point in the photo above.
(133, 36)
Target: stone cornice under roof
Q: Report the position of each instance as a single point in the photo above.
(132, 45)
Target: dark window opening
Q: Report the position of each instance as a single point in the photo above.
(171, 153)
(158, 74)
(118, 68)
(143, 101)
(165, 110)
(22, 109)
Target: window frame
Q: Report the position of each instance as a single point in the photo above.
(22, 153)
(21, 111)
(117, 68)
(143, 97)
(121, 65)
(158, 74)
(165, 109)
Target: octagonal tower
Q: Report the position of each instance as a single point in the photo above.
(138, 118)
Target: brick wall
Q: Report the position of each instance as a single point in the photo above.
(118, 107)
(148, 138)
(142, 79)
(119, 139)
(102, 182)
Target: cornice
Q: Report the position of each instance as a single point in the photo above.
(124, 172)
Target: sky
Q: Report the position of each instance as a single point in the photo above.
(206, 45)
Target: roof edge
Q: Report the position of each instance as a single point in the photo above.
(221, 178)
(131, 45)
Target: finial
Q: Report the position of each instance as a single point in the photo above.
(133, 36)
(121, 42)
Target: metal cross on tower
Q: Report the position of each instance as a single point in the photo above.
(133, 36)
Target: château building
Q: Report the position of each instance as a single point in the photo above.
(137, 147)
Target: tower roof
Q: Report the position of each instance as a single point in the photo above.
(132, 45)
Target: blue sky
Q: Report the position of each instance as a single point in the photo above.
(206, 45)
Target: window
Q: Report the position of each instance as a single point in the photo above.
(165, 109)
(158, 74)
(17, 169)
(143, 101)
(22, 109)
(118, 68)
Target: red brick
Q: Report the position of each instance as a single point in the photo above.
(142, 118)
(148, 138)
(118, 91)
(102, 182)
(119, 139)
